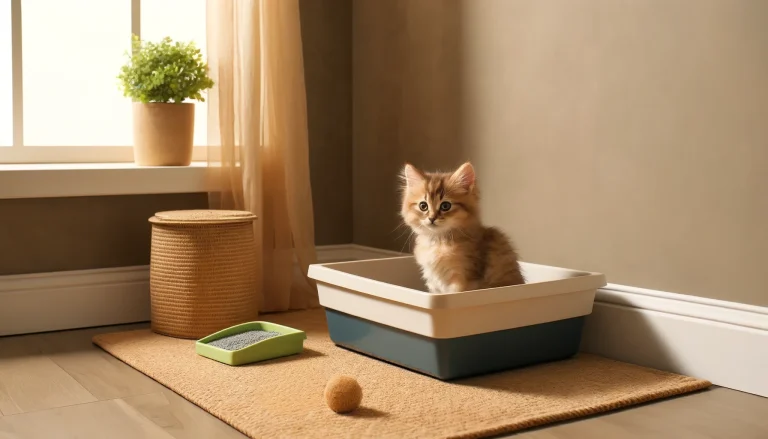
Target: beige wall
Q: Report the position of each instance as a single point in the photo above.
(326, 28)
(57, 234)
(41, 235)
(622, 136)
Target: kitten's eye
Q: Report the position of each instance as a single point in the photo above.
(423, 206)
(445, 206)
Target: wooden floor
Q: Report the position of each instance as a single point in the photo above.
(60, 386)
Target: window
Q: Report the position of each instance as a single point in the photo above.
(6, 76)
(59, 100)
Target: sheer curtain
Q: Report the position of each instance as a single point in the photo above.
(258, 147)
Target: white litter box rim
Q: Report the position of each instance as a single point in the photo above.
(580, 281)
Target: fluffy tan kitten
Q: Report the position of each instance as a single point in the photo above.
(453, 248)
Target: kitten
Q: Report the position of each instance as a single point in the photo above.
(453, 248)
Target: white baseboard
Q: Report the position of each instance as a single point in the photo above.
(43, 302)
(73, 299)
(724, 342)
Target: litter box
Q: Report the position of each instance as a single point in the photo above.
(381, 308)
(289, 342)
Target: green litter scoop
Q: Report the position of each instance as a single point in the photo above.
(271, 341)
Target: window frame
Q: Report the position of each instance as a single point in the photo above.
(18, 153)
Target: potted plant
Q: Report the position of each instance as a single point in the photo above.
(159, 78)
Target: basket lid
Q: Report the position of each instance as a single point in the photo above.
(202, 216)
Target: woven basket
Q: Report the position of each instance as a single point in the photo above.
(202, 271)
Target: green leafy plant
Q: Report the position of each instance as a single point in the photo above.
(164, 72)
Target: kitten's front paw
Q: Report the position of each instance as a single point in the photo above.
(441, 288)
(435, 288)
(455, 288)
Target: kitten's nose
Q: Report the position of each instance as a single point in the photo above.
(432, 220)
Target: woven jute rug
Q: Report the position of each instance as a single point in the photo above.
(283, 398)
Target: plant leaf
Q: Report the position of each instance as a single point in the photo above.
(165, 71)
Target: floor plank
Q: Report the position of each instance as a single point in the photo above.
(717, 413)
(180, 418)
(104, 419)
(103, 375)
(31, 381)
(49, 385)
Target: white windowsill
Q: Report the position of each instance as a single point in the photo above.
(95, 179)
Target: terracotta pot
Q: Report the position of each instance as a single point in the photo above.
(162, 134)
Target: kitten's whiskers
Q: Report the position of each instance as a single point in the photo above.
(407, 240)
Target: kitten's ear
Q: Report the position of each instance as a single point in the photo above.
(464, 177)
(412, 176)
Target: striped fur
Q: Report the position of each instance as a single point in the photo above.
(453, 248)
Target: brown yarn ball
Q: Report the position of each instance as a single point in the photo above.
(343, 394)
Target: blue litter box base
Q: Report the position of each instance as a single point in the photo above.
(459, 357)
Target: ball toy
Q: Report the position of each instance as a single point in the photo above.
(343, 394)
